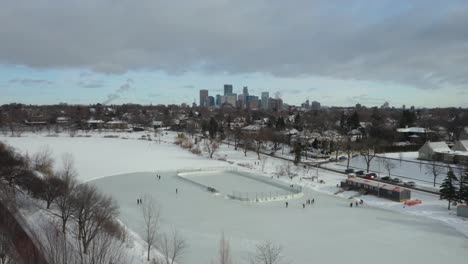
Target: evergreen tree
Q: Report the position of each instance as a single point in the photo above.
(315, 143)
(353, 121)
(448, 191)
(271, 122)
(297, 120)
(407, 118)
(213, 128)
(343, 121)
(280, 125)
(297, 152)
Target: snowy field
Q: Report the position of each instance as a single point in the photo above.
(327, 232)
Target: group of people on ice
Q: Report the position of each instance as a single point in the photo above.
(307, 202)
(361, 202)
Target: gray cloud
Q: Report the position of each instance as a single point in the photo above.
(365, 99)
(420, 43)
(117, 94)
(90, 84)
(29, 82)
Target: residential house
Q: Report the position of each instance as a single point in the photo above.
(430, 150)
(460, 145)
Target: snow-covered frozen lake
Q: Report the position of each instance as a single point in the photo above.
(327, 232)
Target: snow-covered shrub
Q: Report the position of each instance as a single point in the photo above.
(196, 150)
(187, 143)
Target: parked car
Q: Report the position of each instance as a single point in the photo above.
(360, 173)
(410, 184)
(386, 179)
(343, 158)
(396, 180)
(349, 171)
(370, 175)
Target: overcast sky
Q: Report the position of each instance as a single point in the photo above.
(164, 51)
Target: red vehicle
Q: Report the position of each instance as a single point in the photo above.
(370, 176)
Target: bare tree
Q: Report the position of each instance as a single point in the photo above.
(247, 142)
(367, 151)
(65, 200)
(173, 247)
(267, 253)
(53, 187)
(258, 139)
(348, 148)
(11, 164)
(57, 249)
(400, 157)
(43, 161)
(224, 251)
(434, 169)
(108, 246)
(8, 255)
(237, 133)
(93, 212)
(211, 146)
(151, 217)
(388, 165)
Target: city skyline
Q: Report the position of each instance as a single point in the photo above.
(403, 52)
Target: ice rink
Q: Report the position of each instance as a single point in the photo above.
(328, 231)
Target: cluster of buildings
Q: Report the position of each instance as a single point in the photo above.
(243, 100)
(307, 105)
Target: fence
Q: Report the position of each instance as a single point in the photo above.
(291, 191)
(263, 196)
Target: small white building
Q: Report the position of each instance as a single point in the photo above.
(462, 210)
(429, 150)
(461, 145)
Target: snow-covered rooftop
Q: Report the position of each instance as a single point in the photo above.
(438, 146)
(377, 184)
(413, 130)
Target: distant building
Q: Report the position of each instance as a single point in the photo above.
(211, 101)
(265, 100)
(231, 99)
(315, 105)
(241, 101)
(218, 101)
(204, 98)
(245, 93)
(63, 120)
(275, 104)
(253, 102)
(227, 89)
(414, 134)
(116, 124)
